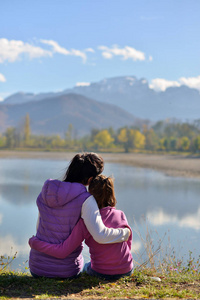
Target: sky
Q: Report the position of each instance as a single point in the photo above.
(51, 45)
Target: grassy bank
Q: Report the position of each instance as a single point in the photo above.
(169, 280)
(139, 285)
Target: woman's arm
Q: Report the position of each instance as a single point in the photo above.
(100, 233)
(65, 248)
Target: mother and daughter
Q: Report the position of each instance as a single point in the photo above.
(69, 214)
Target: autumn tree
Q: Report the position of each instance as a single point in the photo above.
(103, 139)
(27, 129)
(185, 143)
(136, 139)
(2, 141)
(131, 139)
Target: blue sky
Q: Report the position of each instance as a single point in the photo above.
(52, 45)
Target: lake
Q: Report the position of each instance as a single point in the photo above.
(167, 208)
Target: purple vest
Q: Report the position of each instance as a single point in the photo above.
(59, 205)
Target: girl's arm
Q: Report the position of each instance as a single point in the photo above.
(100, 233)
(65, 248)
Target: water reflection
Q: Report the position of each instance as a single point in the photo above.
(140, 192)
(158, 218)
(169, 204)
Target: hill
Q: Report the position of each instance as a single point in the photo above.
(53, 115)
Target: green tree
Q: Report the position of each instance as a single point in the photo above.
(69, 136)
(185, 143)
(196, 144)
(10, 137)
(151, 138)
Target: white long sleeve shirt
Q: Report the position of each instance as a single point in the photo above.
(100, 233)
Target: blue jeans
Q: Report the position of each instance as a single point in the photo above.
(87, 268)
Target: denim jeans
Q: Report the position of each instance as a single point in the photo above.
(87, 268)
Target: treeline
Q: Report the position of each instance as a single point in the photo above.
(162, 136)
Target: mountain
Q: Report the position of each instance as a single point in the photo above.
(134, 96)
(53, 115)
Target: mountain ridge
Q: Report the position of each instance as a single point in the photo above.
(133, 95)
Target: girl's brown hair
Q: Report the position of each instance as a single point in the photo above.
(102, 188)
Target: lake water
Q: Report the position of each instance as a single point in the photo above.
(169, 207)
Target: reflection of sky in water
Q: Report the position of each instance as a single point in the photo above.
(170, 205)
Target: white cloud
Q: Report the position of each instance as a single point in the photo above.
(58, 49)
(12, 50)
(159, 218)
(136, 246)
(9, 246)
(160, 84)
(2, 78)
(126, 53)
(90, 50)
(192, 82)
(83, 84)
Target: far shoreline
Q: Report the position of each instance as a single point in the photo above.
(171, 165)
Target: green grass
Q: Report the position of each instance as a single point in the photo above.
(139, 285)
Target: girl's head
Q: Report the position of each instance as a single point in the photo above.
(102, 188)
(83, 167)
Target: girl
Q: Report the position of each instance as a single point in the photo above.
(109, 261)
(61, 204)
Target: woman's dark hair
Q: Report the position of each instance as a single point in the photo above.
(102, 188)
(83, 166)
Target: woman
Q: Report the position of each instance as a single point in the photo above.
(60, 205)
(110, 261)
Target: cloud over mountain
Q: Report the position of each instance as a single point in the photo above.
(160, 84)
(126, 53)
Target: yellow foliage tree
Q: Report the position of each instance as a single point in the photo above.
(137, 139)
(27, 129)
(123, 137)
(185, 143)
(103, 139)
(131, 139)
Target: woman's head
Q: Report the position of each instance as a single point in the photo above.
(83, 167)
(102, 188)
